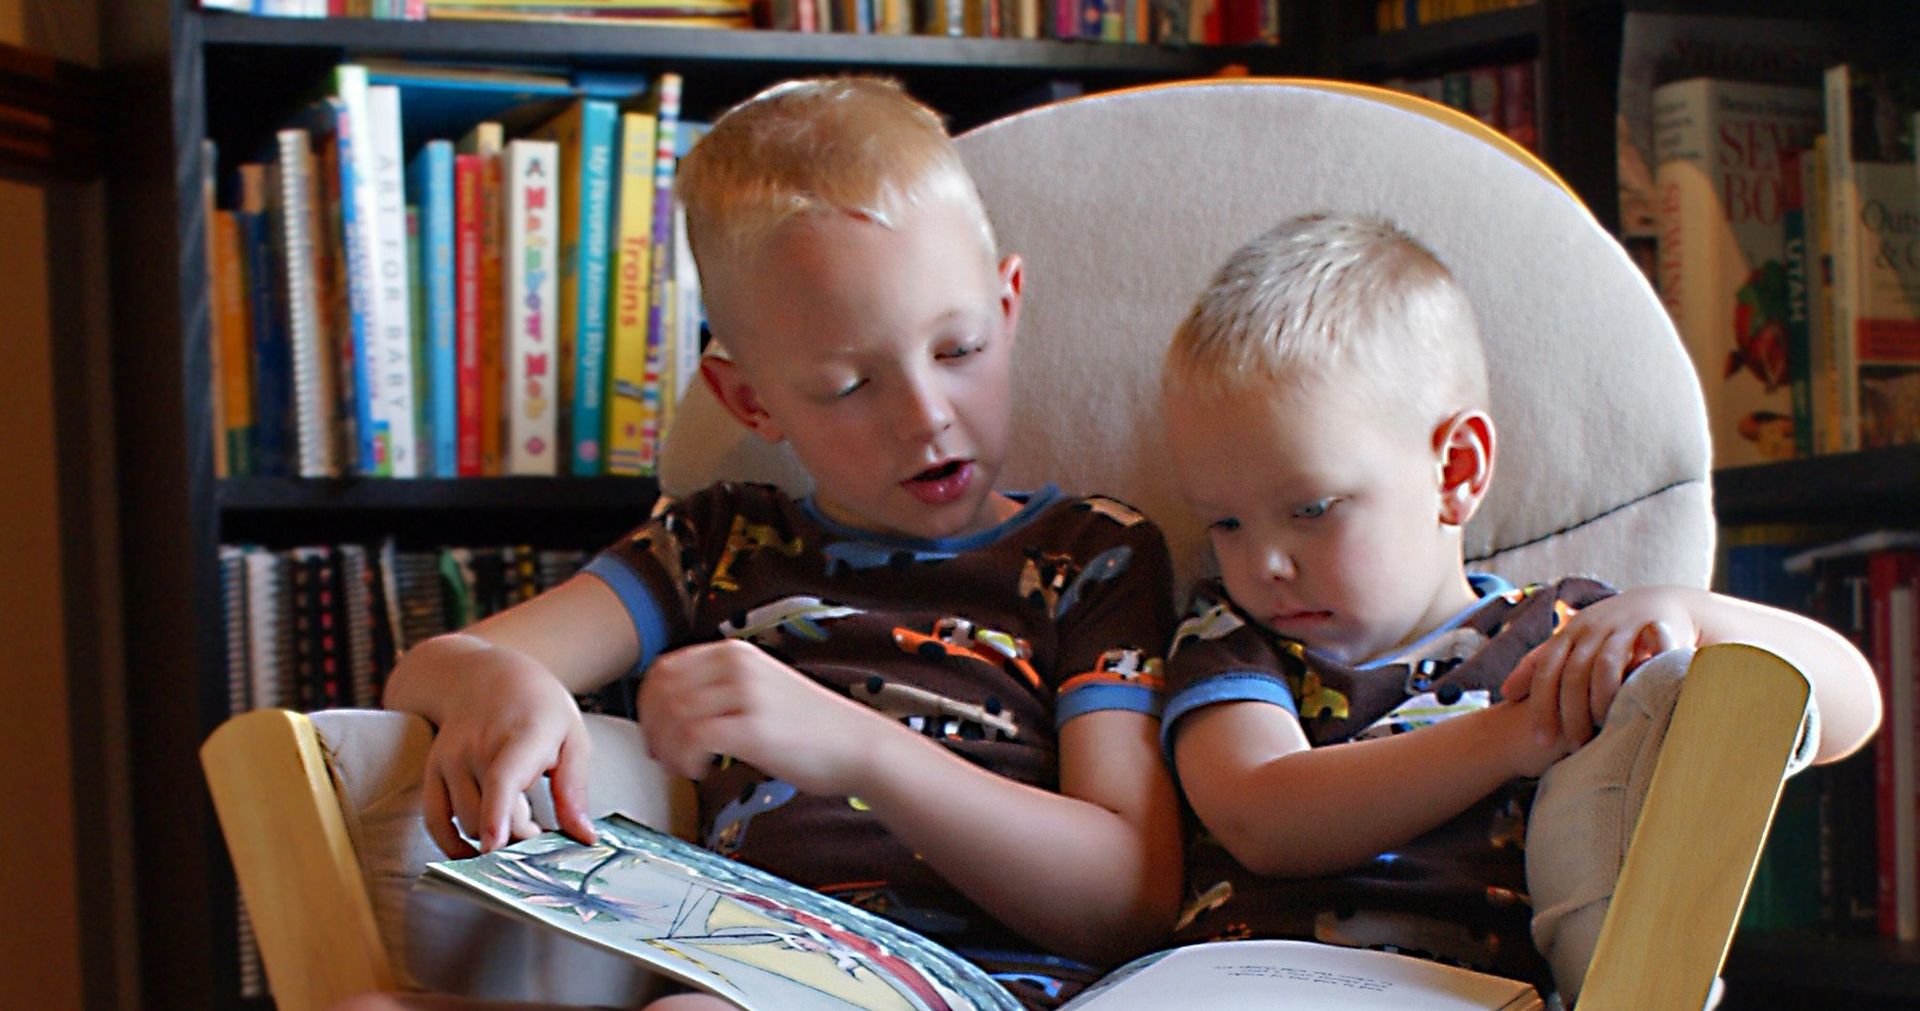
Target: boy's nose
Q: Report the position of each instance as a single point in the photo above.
(924, 411)
(1277, 562)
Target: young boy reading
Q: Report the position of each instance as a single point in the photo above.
(908, 689)
(1352, 714)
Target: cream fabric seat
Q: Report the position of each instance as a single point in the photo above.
(1122, 205)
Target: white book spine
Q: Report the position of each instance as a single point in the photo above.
(267, 661)
(532, 298)
(1843, 195)
(316, 450)
(392, 344)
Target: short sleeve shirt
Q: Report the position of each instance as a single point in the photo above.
(985, 643)
(1457, 893)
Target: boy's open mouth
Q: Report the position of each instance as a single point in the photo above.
(940, 473)
(942, 484)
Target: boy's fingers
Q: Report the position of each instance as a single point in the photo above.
(524, 827)
(1520, 681)
(1545, 691)
(1611, 666)
(464, 793)
(502, 787)
(438, 813)
(569, 782)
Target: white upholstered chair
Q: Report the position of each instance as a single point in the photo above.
(1122, 205)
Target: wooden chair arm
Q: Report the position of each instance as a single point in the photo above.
(295, 863)
(1700, 832)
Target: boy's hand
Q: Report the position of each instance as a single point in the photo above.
(731, 698)
(1571, 679)
(1527, 754)
(509, 723)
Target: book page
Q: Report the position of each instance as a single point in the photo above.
(764, 943)
(1298, 974)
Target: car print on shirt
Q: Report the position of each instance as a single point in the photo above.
(1107, 565)
(798, 616)
(954, 636)
(1216, 622)
(747, 537)
(729, 829)
(936, 715)
(844, 557)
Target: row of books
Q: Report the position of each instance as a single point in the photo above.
(1789, 255)
(1843, 857)
(390, 302)
(675, 13)
(1396, 15)
(1203, 22)
(1504, 96)
(318, 627)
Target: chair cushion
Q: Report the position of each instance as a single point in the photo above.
(1123, 204)
(450, 944)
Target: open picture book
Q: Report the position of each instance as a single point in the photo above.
(769, 945)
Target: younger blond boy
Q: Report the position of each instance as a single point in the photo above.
(919, 683)
(1353, 715)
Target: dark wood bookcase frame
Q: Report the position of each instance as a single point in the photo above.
(178, 75)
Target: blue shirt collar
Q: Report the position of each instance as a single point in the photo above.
(1033, 504)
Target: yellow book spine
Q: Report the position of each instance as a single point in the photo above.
(629, 409)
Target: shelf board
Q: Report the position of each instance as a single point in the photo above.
(545, 495)
(1447, 42)
(523, 42)
(1874, 486)
(1868, 967)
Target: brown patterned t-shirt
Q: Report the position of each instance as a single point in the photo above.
(1455, 894)
(985, 643)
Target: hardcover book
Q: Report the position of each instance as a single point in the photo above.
(765, 943)
(1876, 222)
(1721, 149)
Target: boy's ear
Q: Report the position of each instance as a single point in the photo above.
(729, 385)
(1463, 447)
(1012, 279)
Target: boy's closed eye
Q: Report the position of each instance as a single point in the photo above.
(1315, 509)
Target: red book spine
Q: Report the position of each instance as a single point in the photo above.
(1894, 759)
(467, 229)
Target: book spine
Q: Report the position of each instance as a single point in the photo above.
(1891, 576)
(311, 357)
(433, 186)
(1799, 328)
(270, 359)
(468, 229)
(484, 141)
(688, 321)
(1843, 198)
(659, 299)
(1721, 204)
(233, 329)
(628, 452)
(597, 131)
(392, 343)
(532, 328)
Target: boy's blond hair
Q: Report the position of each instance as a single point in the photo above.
(851, 145)
(1348, 296)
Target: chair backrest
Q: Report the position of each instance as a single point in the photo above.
(1123, 204)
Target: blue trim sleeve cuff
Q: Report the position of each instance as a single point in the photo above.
(648, 623)
(1230, 686)
(1097, 697)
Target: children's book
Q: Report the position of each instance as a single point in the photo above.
(765, 943)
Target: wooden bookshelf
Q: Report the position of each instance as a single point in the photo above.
(178, 77)
(1869, 488)
(1803, 972)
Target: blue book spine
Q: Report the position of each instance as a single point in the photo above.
(359, 273)
(273, 368)
(598, 129)
(432, 184)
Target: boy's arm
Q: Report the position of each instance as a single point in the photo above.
(1842, 679)
(1287, 809)
(1091, 872)
(500, 694)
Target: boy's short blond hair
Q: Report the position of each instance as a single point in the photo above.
(1352, 297)
(851, 145)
